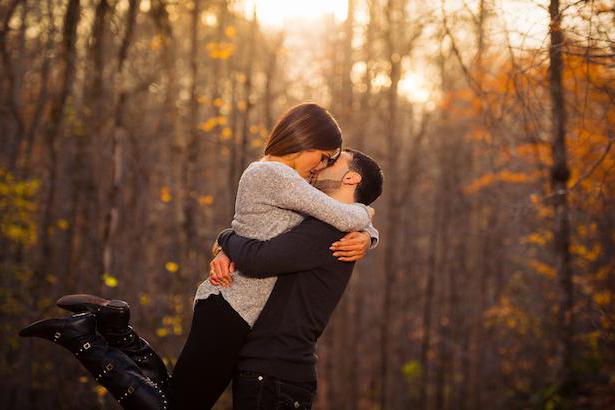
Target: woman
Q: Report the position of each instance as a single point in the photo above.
(273, 195)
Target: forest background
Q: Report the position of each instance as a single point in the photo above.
(125, 125)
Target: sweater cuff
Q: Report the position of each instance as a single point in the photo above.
(223, 236)
(374, 234)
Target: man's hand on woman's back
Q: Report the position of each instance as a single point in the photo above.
(351, 247)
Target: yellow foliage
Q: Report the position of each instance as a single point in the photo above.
(479, 134)
(507, 314)
(587, 254)
(156, 42)
(218, 102)
(144, 299)
(241, 105)
(209, 124)
(603, 298)
(109, 280)
(171, 324)
(165, 194)
(538, 238)
(18, 209)
(226, 133)
(171, 266)
(222, 50)
(62, 224)
(230, 31)
(206, 199)
(256, 143)
(542, 268)
(516, 177)
(480, 183)
(592, 338)
(603, 273)
(502, 176)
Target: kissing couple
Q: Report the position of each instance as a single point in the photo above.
(302, 219)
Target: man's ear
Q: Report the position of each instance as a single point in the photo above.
(352, 178)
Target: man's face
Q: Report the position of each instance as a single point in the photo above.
(330, 179)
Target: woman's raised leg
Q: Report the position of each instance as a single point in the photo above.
(110, 367)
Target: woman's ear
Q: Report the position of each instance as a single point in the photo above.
(352, 178)
(291, 159)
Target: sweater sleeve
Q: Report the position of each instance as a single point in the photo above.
(290, 191)
(374, 234)
(300, 249)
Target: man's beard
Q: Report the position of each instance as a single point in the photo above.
(327, 185)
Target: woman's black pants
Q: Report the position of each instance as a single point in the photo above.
(207, 361)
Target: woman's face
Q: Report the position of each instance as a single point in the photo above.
(310, 162)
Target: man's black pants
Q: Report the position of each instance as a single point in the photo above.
(258, 391)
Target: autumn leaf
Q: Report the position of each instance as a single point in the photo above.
(62, 224)
(230, 31)
(206, 199)
(171, 267)
(109, 280)
(165, 194)
(226, 133)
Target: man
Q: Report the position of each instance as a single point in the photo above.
(277, 363)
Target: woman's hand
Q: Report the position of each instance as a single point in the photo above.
(220, 269)
(351, 247)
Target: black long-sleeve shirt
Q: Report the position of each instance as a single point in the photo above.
(311, 282)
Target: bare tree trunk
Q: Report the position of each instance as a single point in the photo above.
(248, 70)
(189, 173)
(345, 112)
(112, 215)
(393, 211)
(56, 120)
(271, 71)
(13, 99)
(560, 174)
(365, 100)
(42, 97)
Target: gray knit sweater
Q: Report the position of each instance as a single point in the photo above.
(271, 199)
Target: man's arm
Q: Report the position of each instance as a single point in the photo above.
(302, 248)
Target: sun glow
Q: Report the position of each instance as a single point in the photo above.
(277, 13)
(525, 21)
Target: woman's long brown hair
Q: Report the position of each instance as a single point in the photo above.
(304, 126)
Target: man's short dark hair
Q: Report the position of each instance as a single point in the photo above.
(370, 187)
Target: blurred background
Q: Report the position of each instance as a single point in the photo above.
(126, 124)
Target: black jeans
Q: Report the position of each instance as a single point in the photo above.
(258, 391)
(207, 362)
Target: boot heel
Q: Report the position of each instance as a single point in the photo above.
(118, 304)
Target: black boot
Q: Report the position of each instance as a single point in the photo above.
(110, 367)
(113, 317)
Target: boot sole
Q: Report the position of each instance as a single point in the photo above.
(89, 303)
